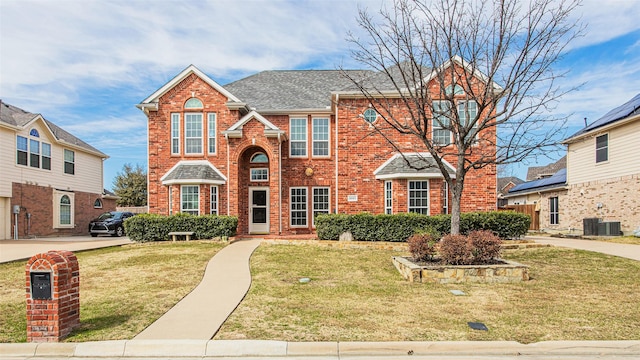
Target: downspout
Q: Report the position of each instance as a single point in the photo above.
(228, 175)
(336, 151)
(280, 185)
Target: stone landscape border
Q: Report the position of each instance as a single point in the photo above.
(504, 272)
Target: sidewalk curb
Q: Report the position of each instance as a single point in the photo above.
(272, 348)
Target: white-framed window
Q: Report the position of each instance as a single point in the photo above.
(370, 116)
(97, 204)
(190, 199)
(33, 152)
(214, 200)
(320, 142)
(170, 200)
(441, 123)
(63, 209)
(193, 103)
(193, 133)
(388, 197)
(69, 162)
(419, 196)
(259, 158)
(298, 137)
(602, 148)
(298, 205)
(211, 128)
(46, 156)
(445, 198)
(320, 202)
(467, 112)
(175, 133)
(260, 174)
(554, 218)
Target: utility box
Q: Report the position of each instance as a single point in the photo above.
(53, 296)
(590, 226)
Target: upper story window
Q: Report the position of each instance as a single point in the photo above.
(175, 134)
(192, 133)
(454, 90)
(193, 103)
(69, 162)
(259, 158)
(211, 128)
(370, 116)
(468, 112)
(320, 143)
(441, 123)
(602, 148)
(298, 137)
(33, 152)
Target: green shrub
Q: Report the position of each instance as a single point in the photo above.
(399, 227)
(152, 227)
(422, 245)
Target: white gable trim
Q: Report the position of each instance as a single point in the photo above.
(411, 175)
(467, 66)
(191, 69)
(270, 130)
(193, 181)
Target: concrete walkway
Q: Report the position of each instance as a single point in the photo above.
(24, 249)
(202, 312)
(628, 251)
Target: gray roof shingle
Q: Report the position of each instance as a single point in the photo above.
(193, 172)
(419, 166)
(290, 89)
(17, 117)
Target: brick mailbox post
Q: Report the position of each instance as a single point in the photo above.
(53, 296)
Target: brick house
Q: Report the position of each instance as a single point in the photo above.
(603, 170)
(52, 178)
(278, 147)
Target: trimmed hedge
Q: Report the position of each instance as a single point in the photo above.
(152, 227)
(399, 227)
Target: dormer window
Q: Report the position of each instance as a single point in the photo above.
(193, 103)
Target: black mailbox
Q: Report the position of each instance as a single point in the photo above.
(41, 286)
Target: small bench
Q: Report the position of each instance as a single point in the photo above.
(186, 234)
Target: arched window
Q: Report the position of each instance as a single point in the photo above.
(193, 103)
(457, 90)
(65, 210)
(97, 204)
(34, 133)
(259, 158)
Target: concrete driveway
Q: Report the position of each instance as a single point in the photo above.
(24, 249)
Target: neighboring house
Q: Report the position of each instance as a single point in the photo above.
(504, 185)
(603, 169)
(279, 147)
(50, 178)
(543, 196)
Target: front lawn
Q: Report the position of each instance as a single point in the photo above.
(122, 289)
(357, 295)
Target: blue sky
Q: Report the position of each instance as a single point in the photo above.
(85, 64)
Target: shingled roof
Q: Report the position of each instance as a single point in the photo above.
(193, 172)
(290, 89)
(20, 119)
(411, 166)
(539, 172)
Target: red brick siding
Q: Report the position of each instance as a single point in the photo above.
(38, 201)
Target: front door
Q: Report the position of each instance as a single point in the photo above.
(258, 210)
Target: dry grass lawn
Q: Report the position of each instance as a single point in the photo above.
(357, 295)
(122, 289)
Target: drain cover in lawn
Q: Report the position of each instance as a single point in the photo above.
(477, 326)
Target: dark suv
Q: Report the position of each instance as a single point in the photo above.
(109, 223)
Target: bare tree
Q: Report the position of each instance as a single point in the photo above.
(472, 81)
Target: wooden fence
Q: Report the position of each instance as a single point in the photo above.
(529, 210)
